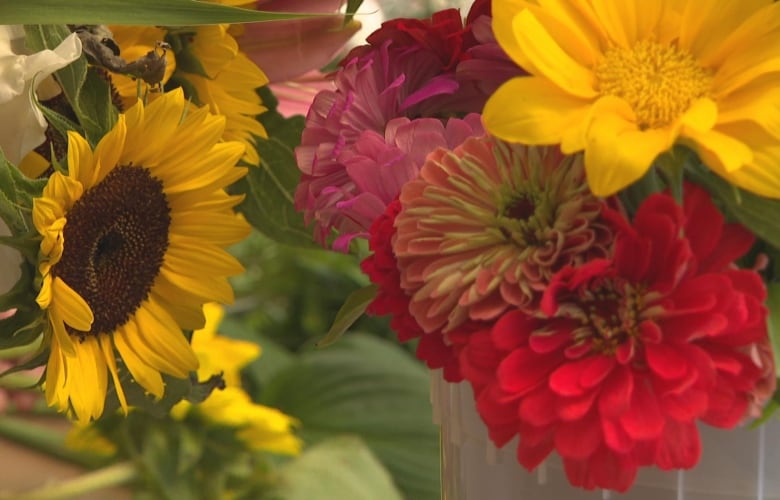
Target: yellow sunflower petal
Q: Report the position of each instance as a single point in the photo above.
(232, 230)
(109, 357)
(109, 150)
(187, 309)
(215, 289)
(182, 259)
(80, 160)
(55, 378)
(161, 334)
(87, 377)
(146, 376)
(64, 342)
(71, 307)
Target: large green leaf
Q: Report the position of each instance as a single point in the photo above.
(340, 468)
(369, 387)
(137, 12)
(270, 188)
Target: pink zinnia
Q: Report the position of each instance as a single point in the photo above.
(408, 70)
(484, 228)
(629, 351)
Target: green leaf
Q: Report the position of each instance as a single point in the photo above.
(351, 311)
(137, 12)
(369, 387)
(95, 99)
(754, 212)
(352, 7)
(16, 195)
(270, 188)
(339, 468)
(773, 304)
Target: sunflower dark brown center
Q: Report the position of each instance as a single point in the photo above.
(116, 236)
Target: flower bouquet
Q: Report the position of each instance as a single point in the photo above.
(570, 210)
(566, 209)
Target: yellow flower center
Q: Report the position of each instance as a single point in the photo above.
(658, 81)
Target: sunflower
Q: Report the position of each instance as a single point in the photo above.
(624, 81)
(132, 247)
(229, 87)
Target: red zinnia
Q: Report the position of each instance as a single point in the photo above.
(382, 269)
(630, 351)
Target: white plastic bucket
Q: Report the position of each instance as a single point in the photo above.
(740, 464)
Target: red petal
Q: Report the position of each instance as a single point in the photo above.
(578, 439)
(531, 455)
(680, 446)
(523, 370)
(597, 369)
(644, 419)
(615, 437)
(512, 330)
(574, 408)
(499, 416)
(544, 342)
(574, 378)
(735, 241)
(665, 361)
(650, 332)
(616, 393)
(537, 407)
(684, 407)
(604, 469)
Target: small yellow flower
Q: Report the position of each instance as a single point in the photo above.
(260, 427)
(624, 81)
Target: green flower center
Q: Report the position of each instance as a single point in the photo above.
(116, 236)
(659, 82)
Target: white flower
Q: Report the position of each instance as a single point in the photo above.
(22, 127)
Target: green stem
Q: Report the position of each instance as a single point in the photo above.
(107, 477)
(44, 440)
(18, 381)
(671, 166)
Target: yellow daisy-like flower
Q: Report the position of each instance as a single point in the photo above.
(230, 87)
(261, 427)
(132, 247)
(625, 80)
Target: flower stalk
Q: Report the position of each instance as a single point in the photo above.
(107, 477)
